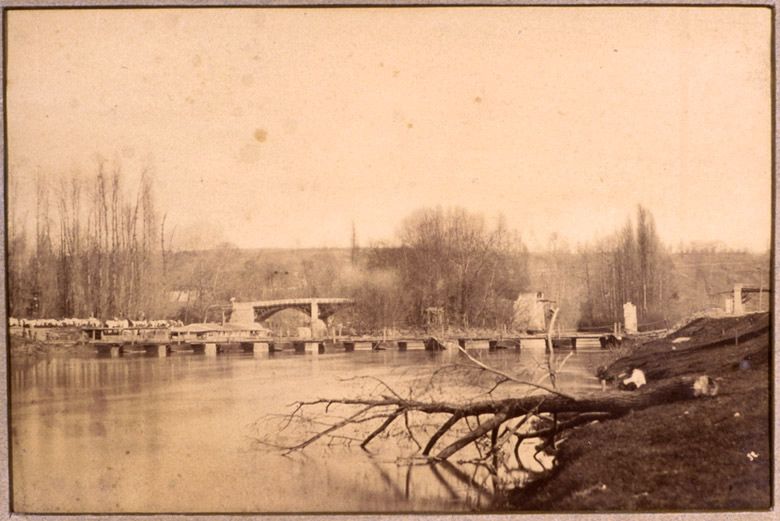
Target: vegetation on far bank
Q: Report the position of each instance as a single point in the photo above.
(95, 246)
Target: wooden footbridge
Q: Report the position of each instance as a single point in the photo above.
(162, 344)
(244, 333)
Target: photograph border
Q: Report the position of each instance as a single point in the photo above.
(5, 470)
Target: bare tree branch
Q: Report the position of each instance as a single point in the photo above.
(390, 419)
(507, 376)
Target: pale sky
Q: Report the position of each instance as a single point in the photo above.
(283, 126)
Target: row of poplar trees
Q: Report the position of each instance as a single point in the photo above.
(632, 265)
(93, 250)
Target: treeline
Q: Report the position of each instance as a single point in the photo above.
(94, 249)
(96, 245)
(591, 283)
(449, 262)
(449, 268)
(445, 268)
(630, 266)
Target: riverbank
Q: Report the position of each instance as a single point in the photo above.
(710, 453)
(26, 347)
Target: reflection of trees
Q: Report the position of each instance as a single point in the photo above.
(468, 410)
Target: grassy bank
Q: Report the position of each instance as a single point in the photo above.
(710, 453)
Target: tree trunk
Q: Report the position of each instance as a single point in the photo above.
(585, 407)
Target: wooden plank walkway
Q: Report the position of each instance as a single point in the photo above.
(120, 344)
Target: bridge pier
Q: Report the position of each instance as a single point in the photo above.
(402, 345)
(210, 349)
(116, 351)
(349, 347)
(103, 349)
(492, 345)
(313, 348)
(263, 347)
(462, 342)
(560, 343)
(160, 350)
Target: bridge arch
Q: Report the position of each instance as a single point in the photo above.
(315, 308)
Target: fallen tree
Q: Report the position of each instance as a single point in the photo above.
(554, 412)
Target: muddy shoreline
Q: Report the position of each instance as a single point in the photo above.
(705, 454)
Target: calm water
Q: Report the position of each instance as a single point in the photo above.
(176, 434)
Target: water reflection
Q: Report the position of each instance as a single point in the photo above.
(176, 434)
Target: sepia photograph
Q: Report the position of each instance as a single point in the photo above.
(421, 259)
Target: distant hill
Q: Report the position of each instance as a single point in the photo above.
(700, 278)
(697, 282)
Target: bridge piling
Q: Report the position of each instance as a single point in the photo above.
(263, 347)
(161, 350)
(210, 349)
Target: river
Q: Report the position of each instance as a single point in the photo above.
(178, 433)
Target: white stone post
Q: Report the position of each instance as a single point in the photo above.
(629, 318)
(739, 307)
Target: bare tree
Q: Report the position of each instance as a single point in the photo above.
(94, 249)
(496, 413)
(451, 259)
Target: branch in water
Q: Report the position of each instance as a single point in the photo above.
(591, 406)
(505, 375)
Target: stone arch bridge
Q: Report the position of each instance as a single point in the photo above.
(259, 310)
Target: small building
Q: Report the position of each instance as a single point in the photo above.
(530, 311)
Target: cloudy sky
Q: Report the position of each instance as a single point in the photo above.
(283, 126)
